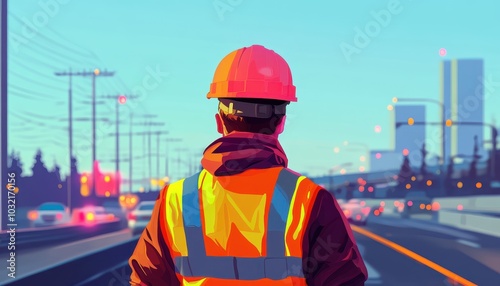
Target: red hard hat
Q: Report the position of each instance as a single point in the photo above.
(253, 72)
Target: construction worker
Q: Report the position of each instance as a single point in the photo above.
(246, 219)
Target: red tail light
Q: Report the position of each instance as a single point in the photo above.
(59, 216)
(365, 210)
(81, 217)
(132, 216)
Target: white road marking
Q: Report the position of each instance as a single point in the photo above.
(468, 243)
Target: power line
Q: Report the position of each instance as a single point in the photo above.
(95, 73)
(27, 91)
(31, 81)
(51, 41)
(90, 53)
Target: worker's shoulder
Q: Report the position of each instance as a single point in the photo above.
(304, 179)
(176, 187)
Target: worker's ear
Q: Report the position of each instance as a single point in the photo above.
(220, 125)
(281, 126)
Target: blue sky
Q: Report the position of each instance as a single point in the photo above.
(340, 97)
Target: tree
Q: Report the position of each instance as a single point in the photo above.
(423, 167)
(473, 164)
(405, 173)
(404, 178)
(449, 176)
(15, 166)
(39, 169)
(56, 173)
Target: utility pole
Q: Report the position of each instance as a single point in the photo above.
(93, 74)
(179, 161)
(70, 131)
(158, 134)
(119, 99)
(3, 111)
(149, 133)
(131, 134)
(167, 140)
(130, 154)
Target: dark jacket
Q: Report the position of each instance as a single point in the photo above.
(330, 254)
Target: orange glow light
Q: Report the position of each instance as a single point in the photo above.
(32, 215)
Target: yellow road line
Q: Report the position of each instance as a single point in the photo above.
(413, 255)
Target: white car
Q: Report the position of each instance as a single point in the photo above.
(140, 216)
(49, 214)
(356, 211)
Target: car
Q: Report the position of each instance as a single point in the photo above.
(356, 211)
(340, 201)
(91, 215)
(49, 214)
(416, 202)
(140, 216)
(114, 207)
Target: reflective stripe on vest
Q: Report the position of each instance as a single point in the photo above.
(276, 265)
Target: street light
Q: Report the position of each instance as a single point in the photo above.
(443, 118)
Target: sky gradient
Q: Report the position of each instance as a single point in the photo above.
(341, 96)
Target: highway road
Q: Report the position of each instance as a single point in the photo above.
(32, 260)
(473, 257)
(399, 252)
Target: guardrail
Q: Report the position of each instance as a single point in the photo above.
(479, 214)
(93, 266)
(33, 237)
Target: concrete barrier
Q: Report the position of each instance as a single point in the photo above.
(475, 214)
(476, 203)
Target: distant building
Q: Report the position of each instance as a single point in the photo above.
(385, 160)
(462, 91)
(408, 137)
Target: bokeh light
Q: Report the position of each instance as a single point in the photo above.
(442, 52)
(122, 99)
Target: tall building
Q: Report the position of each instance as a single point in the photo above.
(462, 92)
(410, 137)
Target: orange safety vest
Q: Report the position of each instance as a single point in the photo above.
(212, 241)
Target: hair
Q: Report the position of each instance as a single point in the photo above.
(251, 124)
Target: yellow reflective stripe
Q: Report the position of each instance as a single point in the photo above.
(301, 221)
(290, 214)
(173, 214)
(193, 283)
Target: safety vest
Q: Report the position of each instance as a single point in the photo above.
(193, 212)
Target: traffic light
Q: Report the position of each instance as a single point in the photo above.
(85, 184)
(106, 185)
